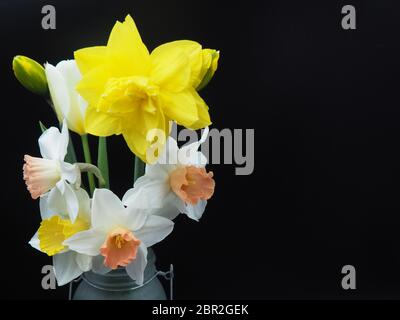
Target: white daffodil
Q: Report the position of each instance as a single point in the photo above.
(177, 181)
(51, 173)
(68, 104)
(121, 235)
(56, 226)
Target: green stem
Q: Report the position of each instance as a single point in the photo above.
(88, 159)
(102, 160)
(139, 169)
(86, 167)
(71, 155)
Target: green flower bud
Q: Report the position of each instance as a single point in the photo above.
(30, 74)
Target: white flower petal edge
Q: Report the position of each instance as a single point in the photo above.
(153, 190)
(136, 269)
(86, 242)
(190, 156)
(67, 102)
(53, 144)
(34, 242)
(147, 193)
(196, 211)
(66, 267)
(98, 265)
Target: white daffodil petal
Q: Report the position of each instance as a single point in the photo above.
(126, 199)
(158, 171)
(49, 144)
(148, 193)
(86, 242)
(136, 268)
(45, 211)
(56, 201)
(58, 91)
(189, 154)
(35, 242)
(84, 203)
(172, 207)
(83, 261)
(98, 265)
(71, 173)
(196, 211)
(65, 267)
(70, 200)
(135, 218)
(75, 111)
(107, 209)
(154, 230)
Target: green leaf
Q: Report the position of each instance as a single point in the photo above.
(88, 159)
(139, 169)
(102, 160)
(42, 127)
(71, 155)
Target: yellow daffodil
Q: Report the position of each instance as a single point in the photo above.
(55, 230)
(58, 225)
(131, 91)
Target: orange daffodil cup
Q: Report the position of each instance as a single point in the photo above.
(119, 88)
(51, 173)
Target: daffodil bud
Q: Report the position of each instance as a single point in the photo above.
(30, 74)
(210, 65)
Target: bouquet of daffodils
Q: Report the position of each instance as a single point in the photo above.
(119, 88)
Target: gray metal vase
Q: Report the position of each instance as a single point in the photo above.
(117, 285)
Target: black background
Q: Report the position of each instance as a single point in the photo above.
(325, 107)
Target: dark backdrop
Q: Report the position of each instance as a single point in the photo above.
(325, 107)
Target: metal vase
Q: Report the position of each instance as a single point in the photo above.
(117, 285)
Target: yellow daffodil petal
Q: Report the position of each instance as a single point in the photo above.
(54, 231)
(210, 65)
(91, 86)
(89, 58)
(202, 112)
(181, 107)
(215, 60)
(102, 124)
(126, 45)
(207, 59)
(194, 53)
(170, 68)
(139, 138)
